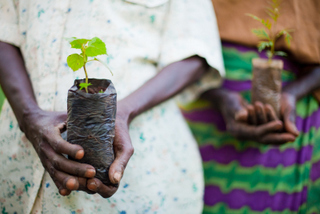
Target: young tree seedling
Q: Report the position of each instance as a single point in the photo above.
(89, 48)
(270, 37)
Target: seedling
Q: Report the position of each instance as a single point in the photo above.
(89, 48)
(268, 34)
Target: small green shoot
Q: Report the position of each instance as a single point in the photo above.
(267, 35)
(89, 48)
(101, 91)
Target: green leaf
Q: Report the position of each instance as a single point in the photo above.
(104, 64)
(84, 85)
(101, 91)
(261, 33)
(75, 61)
(269, 54)
(262, 45)
(287, 38)
(96, 47)
(280, 53)
(77, 43)
(253, 16)
(266, 23)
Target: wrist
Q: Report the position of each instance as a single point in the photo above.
(217, 97)
(125, 111)
(27, 116)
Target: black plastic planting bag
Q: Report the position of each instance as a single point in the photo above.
(91, 123)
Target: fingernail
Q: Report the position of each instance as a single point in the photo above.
(117, 177)
(90, 173)
(71, 183)
(63, 192)
(92, 186)
(79, 154)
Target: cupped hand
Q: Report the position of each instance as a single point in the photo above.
(259, 113)
(43, 129)
(123, 150)
(244, 123)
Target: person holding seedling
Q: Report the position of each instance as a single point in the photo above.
(155, 48)
(263, 157)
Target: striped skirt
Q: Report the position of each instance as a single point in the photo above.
(246, 177)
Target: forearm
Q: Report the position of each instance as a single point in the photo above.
(216, 97)
(167, 83)
(15, 82)
(304, 85)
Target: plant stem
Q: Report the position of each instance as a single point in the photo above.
(85, 71)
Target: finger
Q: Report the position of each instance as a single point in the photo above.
(61, 179)
(71, 167)
(61, 146)
(252, 119)
(63, 191)
(261, 114)
(123, 151)
(242, 116)
(83, 186)
(95, 185)
(278, 138)
(271, 114)
(249, 132)
(270, 127)
(64, 181)
(289, 122)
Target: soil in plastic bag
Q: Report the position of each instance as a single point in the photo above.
(91, 123)
(266, 82)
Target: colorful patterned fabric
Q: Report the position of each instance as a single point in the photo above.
(246, 177)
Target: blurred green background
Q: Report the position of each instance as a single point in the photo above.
(2, 98)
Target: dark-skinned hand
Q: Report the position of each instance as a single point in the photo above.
(259, 114)
(242, 121)
(43, 129)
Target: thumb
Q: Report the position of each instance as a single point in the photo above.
(289, 119)
(123, 151)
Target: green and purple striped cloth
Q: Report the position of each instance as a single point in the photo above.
(246, 177)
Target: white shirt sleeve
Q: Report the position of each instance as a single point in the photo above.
(191, 29)
(9, 22)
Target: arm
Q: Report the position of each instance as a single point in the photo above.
(40, 127)
(294, 91)
(167, 83)
(304, 85)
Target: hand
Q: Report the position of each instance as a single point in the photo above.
(259, 113)
(237, 115)
(288, 112)
(43, 129)
(123, 151)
